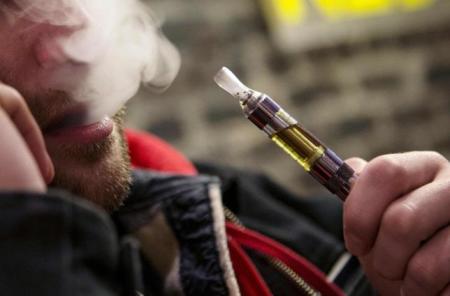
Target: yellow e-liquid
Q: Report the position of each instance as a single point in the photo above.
(317, 159)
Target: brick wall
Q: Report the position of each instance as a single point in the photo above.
(364, 98)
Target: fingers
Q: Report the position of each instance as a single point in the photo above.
(428, 271)
(408, 222)
(382, 181)
(16, 108)
(357, 164)
(18, 169)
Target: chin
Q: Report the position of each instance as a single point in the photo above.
(99, 172)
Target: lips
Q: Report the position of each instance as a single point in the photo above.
(70, 129)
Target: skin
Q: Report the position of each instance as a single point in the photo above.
(28, 106)
(396, 218)
(403, 237)
(24, 154)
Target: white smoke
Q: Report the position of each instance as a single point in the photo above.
(113, 47)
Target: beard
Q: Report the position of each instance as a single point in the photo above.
(97, 172)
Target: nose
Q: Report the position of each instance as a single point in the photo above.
(48, 53)
(48, 49)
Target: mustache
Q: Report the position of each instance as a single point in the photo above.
(48, 106)
(99, 51)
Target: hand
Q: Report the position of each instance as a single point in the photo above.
(24, 162)
(397, 221)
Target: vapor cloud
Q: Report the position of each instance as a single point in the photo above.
(108, 48)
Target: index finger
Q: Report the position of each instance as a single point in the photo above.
(16, 108)
(383, 180)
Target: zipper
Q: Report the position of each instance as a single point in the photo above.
(230, 216)
(306, 289)
(279, 265)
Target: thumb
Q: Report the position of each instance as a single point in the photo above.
(356, 163)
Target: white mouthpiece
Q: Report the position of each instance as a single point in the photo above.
(230, 83)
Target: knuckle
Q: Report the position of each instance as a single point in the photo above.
(10, 98)
(437, 157)
(421, 272)
(9, 92)
(386, 168)
(400, 220)
(445, 189)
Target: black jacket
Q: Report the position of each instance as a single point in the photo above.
(167, 239)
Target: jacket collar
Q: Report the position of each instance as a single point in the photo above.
(179, 223)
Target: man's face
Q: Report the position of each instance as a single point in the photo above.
(90, 160)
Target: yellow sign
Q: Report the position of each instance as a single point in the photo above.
(291, 12)
(345, 9)
(294, 12)
(416, 4)
(336, 9)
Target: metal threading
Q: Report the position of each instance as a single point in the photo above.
(230, 216)
(291, 275)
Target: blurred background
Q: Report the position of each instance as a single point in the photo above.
(368, 77)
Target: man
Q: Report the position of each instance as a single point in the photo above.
(396, 219)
